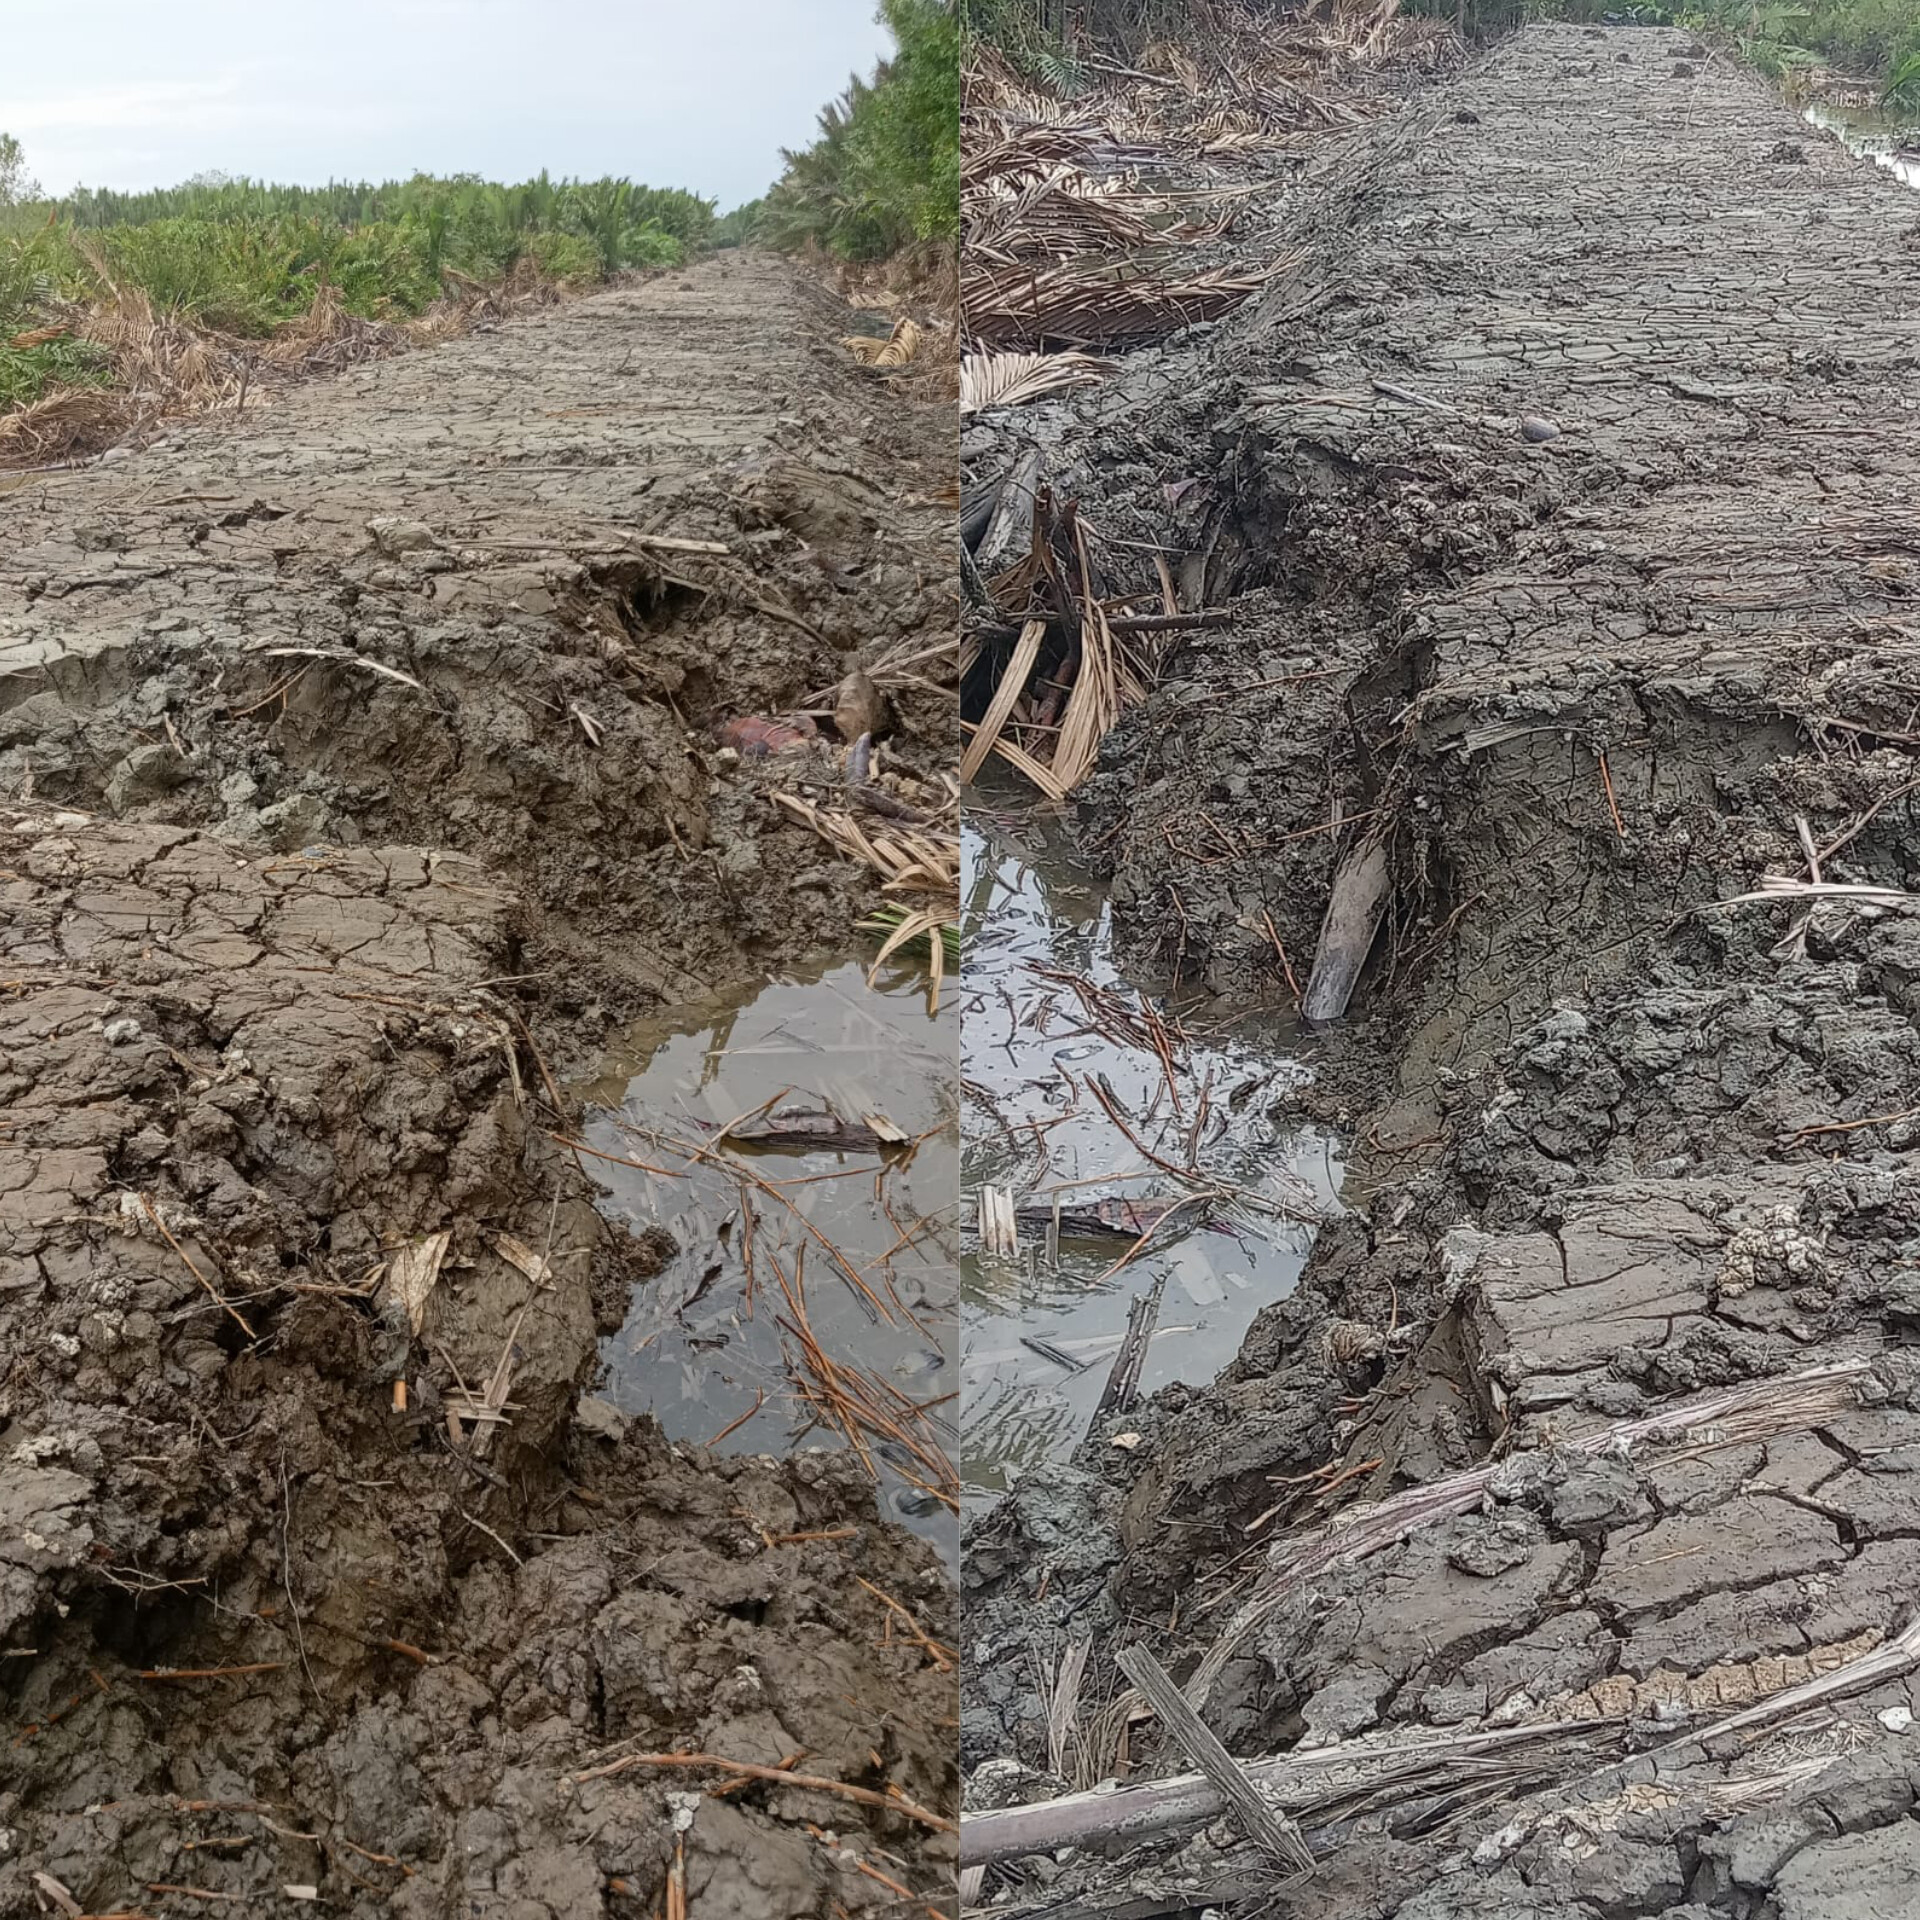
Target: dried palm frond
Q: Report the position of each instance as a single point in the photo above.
(895, 350)
(1012, 379)
(935, 925)
(1065, 647)
(908, 859)
(1081, 304)
(1064, 212)
(65, 425)
(888, 918)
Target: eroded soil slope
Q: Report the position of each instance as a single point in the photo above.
(1564, 500)
(360, 768)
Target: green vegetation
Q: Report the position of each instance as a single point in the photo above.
(245, 257)
(884, 174)
(1873, 40)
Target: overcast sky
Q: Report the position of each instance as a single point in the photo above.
(675, 93)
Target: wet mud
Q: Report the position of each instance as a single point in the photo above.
(361, 779)
(1563, 508)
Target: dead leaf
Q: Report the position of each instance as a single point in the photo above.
(517, 1253)
(1013, 379)
(893, 352)
(413, 1273)
(61, 1897)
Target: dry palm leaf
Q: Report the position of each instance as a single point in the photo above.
(1062, 213)
(908, 859)
(1086, 302)
(929, 924)
(1013, 683)
(413, 1273)
(894, 351)
(67, 423)
(1012, 379)
(901, 345)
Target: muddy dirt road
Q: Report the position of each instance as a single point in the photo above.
(361, 778)
(1563, 496)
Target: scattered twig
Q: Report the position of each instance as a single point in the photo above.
(1270, 1830)
(226, 1306)
(888, 1803)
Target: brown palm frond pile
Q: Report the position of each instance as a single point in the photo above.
(1067, 658)
(1071, 238)
(910, 859)
(886, 353)
(919, 862)
(65, 425)
(1095, 302)
(163, 363)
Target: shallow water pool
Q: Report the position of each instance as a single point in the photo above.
(1062, 1106)
(805, 1271)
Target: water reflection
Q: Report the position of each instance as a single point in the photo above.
(1050, 1101)
(1878, 134)
(711, 1344)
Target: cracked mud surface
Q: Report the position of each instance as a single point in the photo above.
(1622, 1148)
(281, 973)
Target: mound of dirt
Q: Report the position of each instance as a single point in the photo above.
(358, 751)
(1562, 511)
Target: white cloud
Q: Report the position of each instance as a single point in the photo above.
(154, 106)
(699, 96)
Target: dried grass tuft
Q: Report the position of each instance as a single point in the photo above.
(162, 367)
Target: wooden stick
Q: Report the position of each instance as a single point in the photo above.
(942, 1657)
(669, 543)
(1270, 1830)
(1286, 965)
(1143, 1314)
(1613, 806)
(206, 1673)
(1112, 1818)
(153, 1214)
(890, 1803)
(734, 1426)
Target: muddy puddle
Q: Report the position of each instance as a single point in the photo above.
(790, 1156)
(1886, 138)
(1071, 1101)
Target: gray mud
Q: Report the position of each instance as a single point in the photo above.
(360, 783)
(1624, 1148)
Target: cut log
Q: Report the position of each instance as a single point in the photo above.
(1009, 535)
